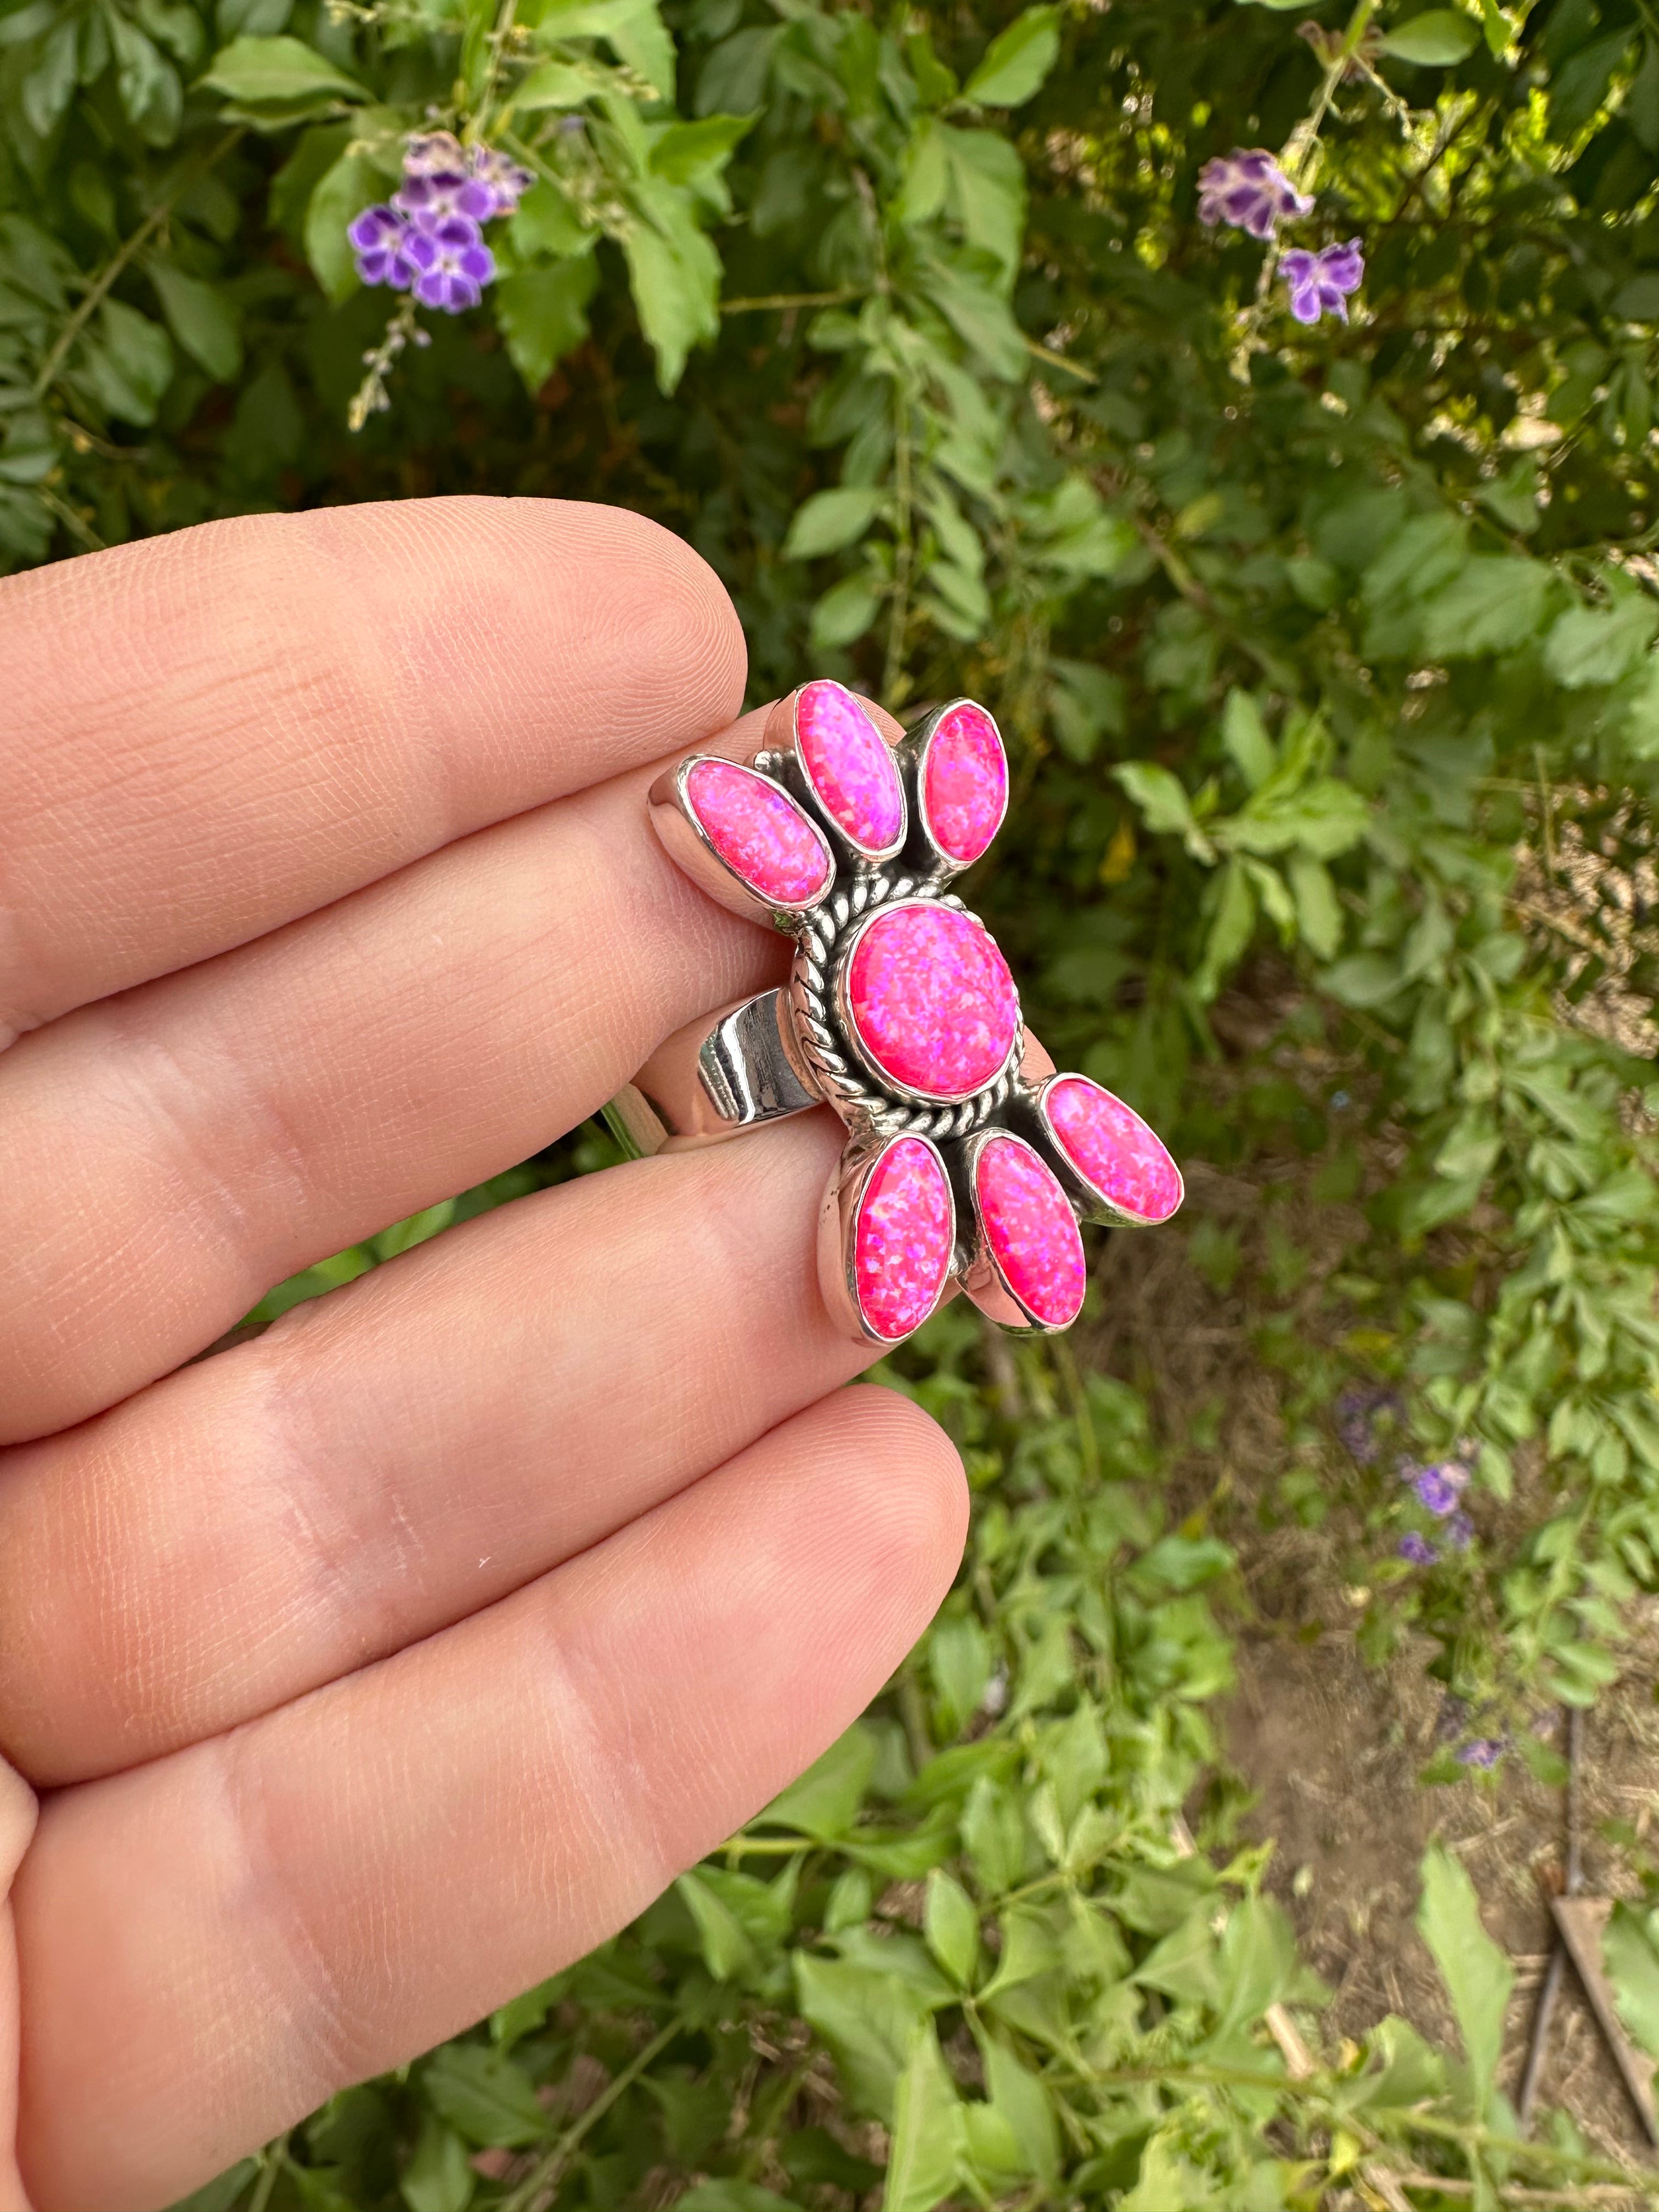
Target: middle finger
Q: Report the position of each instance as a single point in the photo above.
(172, 1153)
(394, 1457)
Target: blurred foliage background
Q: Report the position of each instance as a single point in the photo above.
(1325, 656)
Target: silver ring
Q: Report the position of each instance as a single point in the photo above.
(969, 1155)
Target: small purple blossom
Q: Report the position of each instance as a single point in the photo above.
(1439, 1488)
(427, 200)
(1249, 189)
(1460, 1532)
(1484, 1751)
(1416, 1549)
(453, 262)
(1358, 1410)
(1320, 283)
(380, 240)
(499, 175)
(433, 154)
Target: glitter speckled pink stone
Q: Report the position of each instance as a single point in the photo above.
(901, 1248)
(1030, 1228)
(849, 766)
(1112, 1148)
(932, 1000)
(965, 782)
(759, 831)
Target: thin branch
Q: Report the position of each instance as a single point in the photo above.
(547, 2168)
(96, 292)
(782, 300)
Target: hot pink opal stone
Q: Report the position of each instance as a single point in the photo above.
(902, 1246)
(1031, 1230)
(759, 832)
(932, 999)
(850, 766)
(1111, 1147)
(965, 782)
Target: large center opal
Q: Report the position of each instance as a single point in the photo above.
(932, 999)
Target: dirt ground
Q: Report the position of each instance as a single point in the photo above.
(1333, 1749)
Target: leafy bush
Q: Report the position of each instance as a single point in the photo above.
(1325, 649)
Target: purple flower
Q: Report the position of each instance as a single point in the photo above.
(499, 175)
(1320, 282)
(427, 200)
(380, 240)
(1439, 1488)
(433, 154)
(1250, 191)
(1358, 1409)
(1485, 1752)
(1418, 1549)
(452, 262)
(1460, 1532)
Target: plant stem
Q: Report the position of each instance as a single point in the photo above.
(547, 2167)
(96, 292)
(779, 299)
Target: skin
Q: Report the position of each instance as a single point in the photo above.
(360, 1676)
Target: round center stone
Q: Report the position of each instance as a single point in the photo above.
(932, 999)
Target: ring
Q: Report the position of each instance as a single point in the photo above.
(967, 1154)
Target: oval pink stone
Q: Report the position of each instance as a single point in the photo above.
(850, 766)
(902, 1244)
(1112, 1149)
(932, 1000)
(759, 832)
(965, 782)
(1031, 1230)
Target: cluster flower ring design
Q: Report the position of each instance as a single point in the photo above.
(969, 1156)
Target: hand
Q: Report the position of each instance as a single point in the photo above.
(370, 1671)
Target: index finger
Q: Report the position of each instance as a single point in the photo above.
(206, 735)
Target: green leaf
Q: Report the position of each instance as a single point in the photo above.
(925, 2158)
(869, 2022)
(1022, 2099)
(675, 274)
(485, 2094)
(1016, 61)
(692, 153)
(1631, 1961)
(1436, 39)
(543, 313)
(831, 519)
(641, 40)
(1163, 802)
(825, 1802)
(1477, 1975)
(951, 1927)
(727, 2194)
(545, 223)
(1495, 603)
(1318, 914)
(342, 194)
(845, 613)
(726, 1949)
(263, 72)
(1600, 645)
(554, 84)
(1244, 734)
(220, 2194)
(127, 364)
(201, 318)
(439, 2176)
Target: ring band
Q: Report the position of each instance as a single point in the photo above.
(967, 1154)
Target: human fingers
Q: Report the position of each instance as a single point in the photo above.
(209, 733)
(172, 1153)
(212, 1943)
(17, 1821)
(391, 1458)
